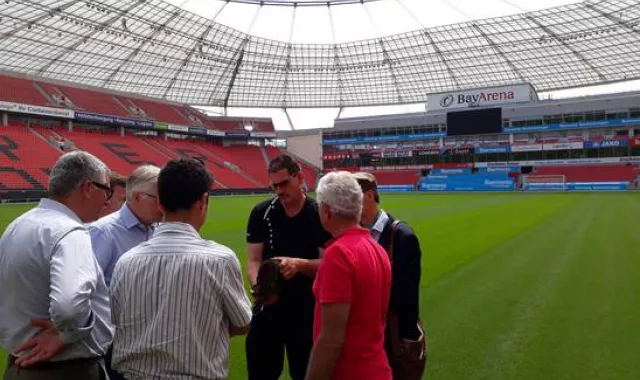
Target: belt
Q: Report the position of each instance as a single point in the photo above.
(50, 365)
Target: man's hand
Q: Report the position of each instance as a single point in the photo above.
(289, 266)
(43, 346)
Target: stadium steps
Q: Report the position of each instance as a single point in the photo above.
(158, 148)
(41, 89)
(224, 174)
(48, 139)
(232, 159)
(124, 107)
(265, 156)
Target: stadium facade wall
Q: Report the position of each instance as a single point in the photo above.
(307, 147)
(521, 111)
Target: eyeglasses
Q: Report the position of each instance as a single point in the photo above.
(108, 191)
(284, 183)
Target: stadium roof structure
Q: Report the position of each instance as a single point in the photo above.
(156, 49)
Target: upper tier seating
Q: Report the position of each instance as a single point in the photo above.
(160, 112)
(21, 91)
(590, 173)
(93, 101)
(96, 101)
(20, 168)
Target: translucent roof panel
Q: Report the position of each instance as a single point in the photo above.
(192, 54)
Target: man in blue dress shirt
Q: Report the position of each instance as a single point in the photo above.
(116, 233)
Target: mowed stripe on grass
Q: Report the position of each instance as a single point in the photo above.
(515, 286)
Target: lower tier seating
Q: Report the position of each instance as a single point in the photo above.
(590, 173)
(26, 156)
(25, 159)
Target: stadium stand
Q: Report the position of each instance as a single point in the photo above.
(224, 174)
(20, 168)
(121, 153)
(589, 173)
(160, 112)
(21, 91)
(89, 101)
(248, 158)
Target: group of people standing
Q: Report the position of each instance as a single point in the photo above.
(109, 278)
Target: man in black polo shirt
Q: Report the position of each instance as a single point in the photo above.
(288, 228)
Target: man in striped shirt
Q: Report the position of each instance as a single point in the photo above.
(177, 298)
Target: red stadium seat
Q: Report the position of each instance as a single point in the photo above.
(21, 91)
(20, 168)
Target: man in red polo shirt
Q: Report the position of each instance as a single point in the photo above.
(352, 289)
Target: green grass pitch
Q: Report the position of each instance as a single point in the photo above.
(514, 286)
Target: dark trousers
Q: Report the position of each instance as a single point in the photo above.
(274, 329)
(113, 375)
(85, 369)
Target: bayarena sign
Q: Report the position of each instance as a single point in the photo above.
(481, 97)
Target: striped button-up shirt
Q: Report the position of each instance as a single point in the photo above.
(174, 299)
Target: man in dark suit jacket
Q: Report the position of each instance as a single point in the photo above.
(406, 267)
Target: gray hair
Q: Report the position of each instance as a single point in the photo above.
(141, 179)
(341, 192)
(72, 169)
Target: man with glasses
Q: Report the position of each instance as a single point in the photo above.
(286, 228)
(55, 317)
(118, 232)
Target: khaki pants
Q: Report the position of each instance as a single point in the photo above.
(80, 369)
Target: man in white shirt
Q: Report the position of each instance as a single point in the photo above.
(55, 318)
(178, 298)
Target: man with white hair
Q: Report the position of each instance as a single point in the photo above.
(55, 317)
(351, 288)
(116, 233)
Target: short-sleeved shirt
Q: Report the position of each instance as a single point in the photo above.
(300, 236)
(356, 270)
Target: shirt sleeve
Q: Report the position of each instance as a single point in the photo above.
(335, 276)
(102, 249)
(74, 278)
(256, 231)
(236, 303)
